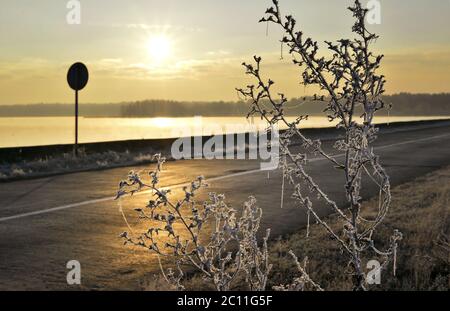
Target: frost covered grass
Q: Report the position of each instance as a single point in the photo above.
(420, 209)
(67, 162)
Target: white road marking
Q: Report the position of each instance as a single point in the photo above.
(213, 179)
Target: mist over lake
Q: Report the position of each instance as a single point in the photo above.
(41, 131)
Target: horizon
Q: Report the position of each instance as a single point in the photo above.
(147, 49)
(403, 104)
(163, 100)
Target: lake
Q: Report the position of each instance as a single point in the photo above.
(39, 131)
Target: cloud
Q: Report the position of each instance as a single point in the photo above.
(109, 61)
(26, 68)
(190, 69)
(158, 27)
(418, 71)
(438, 58)
(218, 53)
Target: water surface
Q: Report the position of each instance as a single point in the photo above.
(39, 131)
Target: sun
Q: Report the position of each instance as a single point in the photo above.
(159, 48)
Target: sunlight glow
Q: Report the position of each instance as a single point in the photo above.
(159, 48)
(163, 122)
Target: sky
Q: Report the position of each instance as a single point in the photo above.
(193, 50)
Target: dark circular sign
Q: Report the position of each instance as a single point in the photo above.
(78, 76)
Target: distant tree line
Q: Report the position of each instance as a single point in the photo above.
(419, 104)
(403, 104)
(164, 108)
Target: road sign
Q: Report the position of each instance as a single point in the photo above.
(77, 77)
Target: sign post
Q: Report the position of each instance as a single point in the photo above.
(77, 77)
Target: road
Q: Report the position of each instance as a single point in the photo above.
(46, 222)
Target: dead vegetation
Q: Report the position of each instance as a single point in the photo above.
(420, 209)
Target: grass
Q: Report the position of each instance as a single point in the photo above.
(67, 163)
(420, 210)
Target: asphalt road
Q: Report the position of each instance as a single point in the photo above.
(46, 222)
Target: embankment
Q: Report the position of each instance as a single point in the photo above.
(19, 154)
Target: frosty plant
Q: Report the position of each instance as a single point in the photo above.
(174, 230)
(351, 88)
(348, 81)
